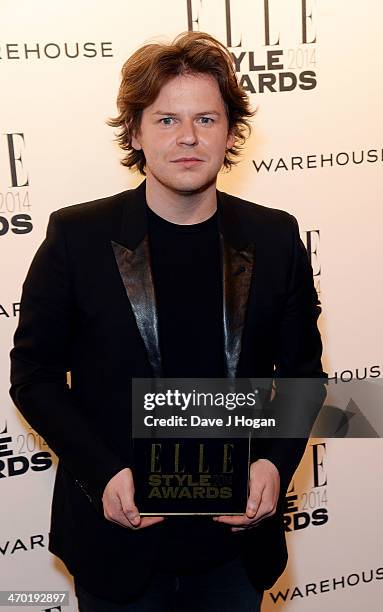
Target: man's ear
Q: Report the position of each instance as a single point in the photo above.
(230, 140)
(135, 140)
(136, 143)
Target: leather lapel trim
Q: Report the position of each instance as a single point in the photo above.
(136, 274)
(237, 266)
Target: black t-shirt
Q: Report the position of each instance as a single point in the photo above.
(187, 280)
(188, 286)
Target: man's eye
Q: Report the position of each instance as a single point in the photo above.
(206, 120)
(166, 120)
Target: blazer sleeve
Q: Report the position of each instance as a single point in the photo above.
(40, 360)
(300, 381)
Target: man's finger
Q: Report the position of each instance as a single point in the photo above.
(235, 521)
(254, 499)
(266, 508)
(126, 496)
(130, 510)
(253, 504)
(147, 521)
(120, 519)
(118, 498)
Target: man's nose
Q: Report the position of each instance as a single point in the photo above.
(187, 133)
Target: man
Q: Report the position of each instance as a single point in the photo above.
(172, 279)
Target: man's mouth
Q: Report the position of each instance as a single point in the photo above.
(187, 160)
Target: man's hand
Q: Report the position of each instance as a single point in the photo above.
(119, 506)
(263, 496)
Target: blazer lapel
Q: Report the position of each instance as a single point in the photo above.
(237, 262)
(132, 254)
(136, 274)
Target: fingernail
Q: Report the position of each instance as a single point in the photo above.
(134, 518)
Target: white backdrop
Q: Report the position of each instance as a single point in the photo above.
(316, 152)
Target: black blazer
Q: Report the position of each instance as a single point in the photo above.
(88, 307)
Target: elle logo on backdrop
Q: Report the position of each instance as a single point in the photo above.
(272, 52)
(14, 185)
(310, 506)
(23, 452)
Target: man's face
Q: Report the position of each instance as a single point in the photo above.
(187, 121)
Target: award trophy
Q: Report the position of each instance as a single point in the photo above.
(188, 459)
(191, 476)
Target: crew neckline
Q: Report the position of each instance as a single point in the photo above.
(157, 220)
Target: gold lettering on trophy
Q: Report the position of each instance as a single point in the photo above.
(154, 480)
(155, 465)
(227, 467)
(194, 492)
(226, 492)
(201, 460)
(177, 458)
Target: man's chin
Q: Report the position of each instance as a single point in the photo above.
(191, 187)
(186, 185)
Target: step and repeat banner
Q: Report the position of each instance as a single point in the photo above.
(313, 70)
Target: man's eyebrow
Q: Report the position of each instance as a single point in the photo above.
(211, 112)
